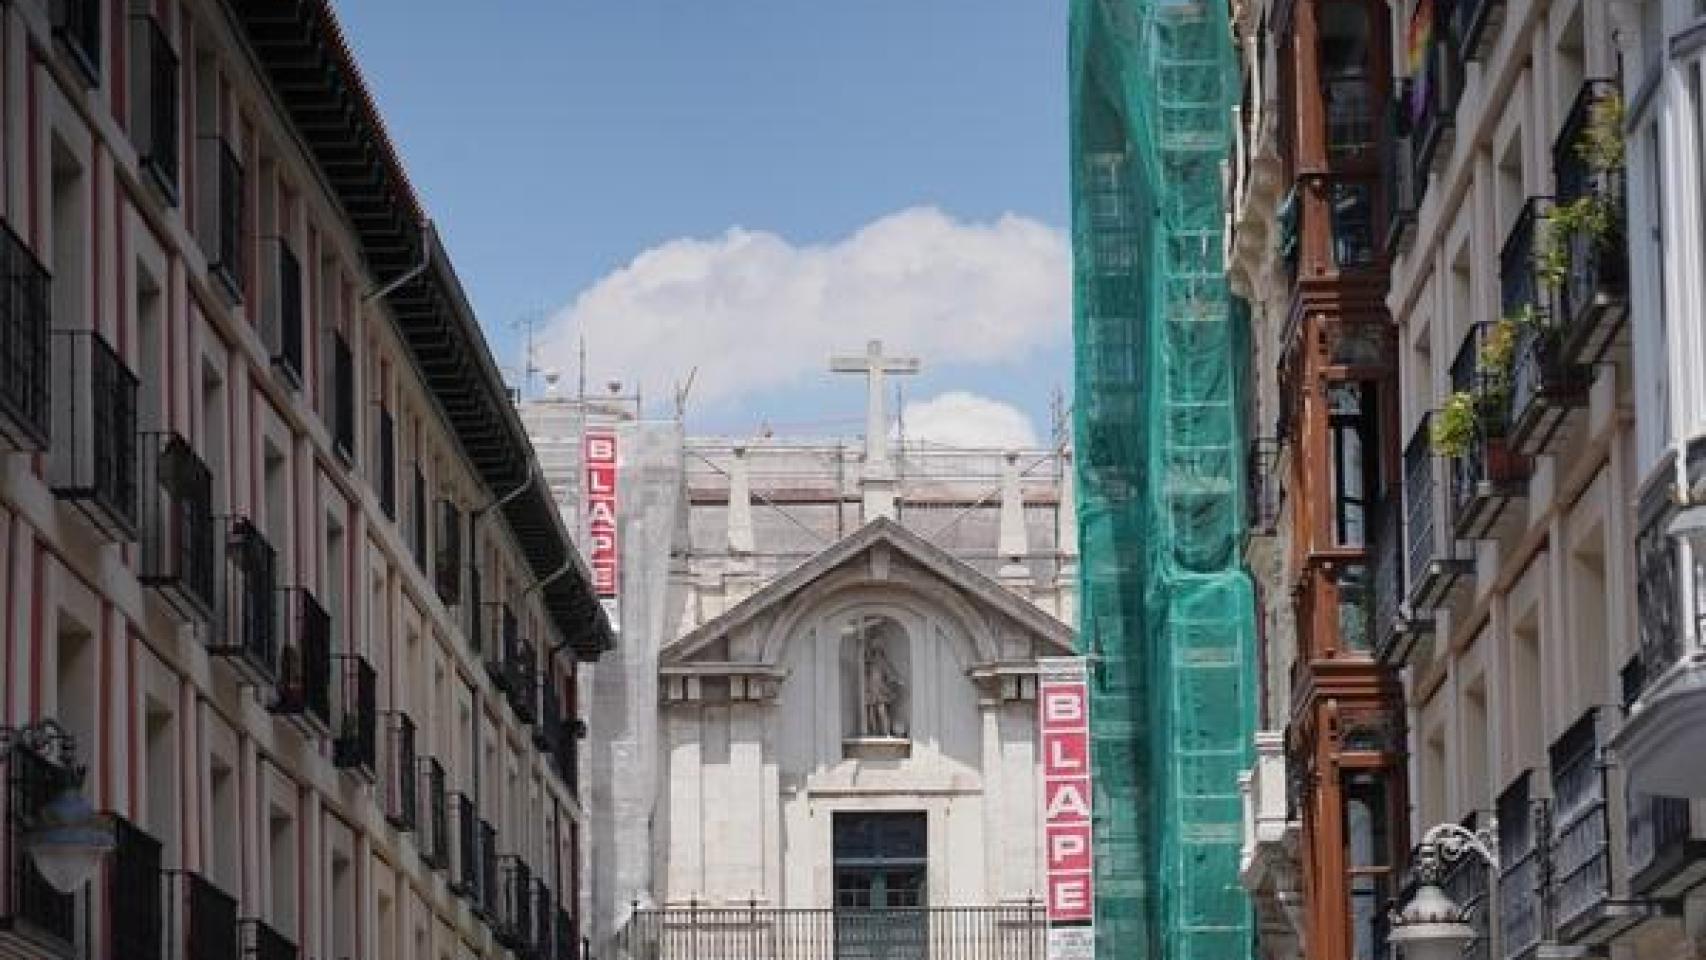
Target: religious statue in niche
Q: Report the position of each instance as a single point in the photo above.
(873, 652)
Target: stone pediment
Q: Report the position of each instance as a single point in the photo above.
(749, 638)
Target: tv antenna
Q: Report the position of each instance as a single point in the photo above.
(529, 323)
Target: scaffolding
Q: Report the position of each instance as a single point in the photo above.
(1167, 609)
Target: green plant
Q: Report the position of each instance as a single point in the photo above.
(1594, 214)
(1601, 145)
(1452, 430)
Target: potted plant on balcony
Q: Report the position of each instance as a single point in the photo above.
(1452, 429)
(1592, 220)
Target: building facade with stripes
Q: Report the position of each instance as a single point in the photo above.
(274, 546)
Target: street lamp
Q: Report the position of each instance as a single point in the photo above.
(1431, 926)
(66, 839)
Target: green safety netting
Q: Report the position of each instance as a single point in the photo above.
(1167, 612)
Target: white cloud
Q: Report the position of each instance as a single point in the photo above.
(752, 311)
(961, 419)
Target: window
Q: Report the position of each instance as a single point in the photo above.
(342, 403)
(387, 441)
(1368, 857)
(1352, 219)
(1348, 92)
(154, 104)
(1351, 435)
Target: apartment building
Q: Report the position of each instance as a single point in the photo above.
(276, 551)
(1531, 567)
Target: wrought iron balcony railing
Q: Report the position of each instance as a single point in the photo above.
(202, 919)
(523, 689)
(77, 27)
(1544, 388)
(1474, 24)
(262, 942)
(154, 103)
(512, 919)
(476, 611)
(135, 892)
(287, 308)
(1593, 300)
(486, 848)
(1266, 491)
(465, 848)
(178, 528)
(247, 631)
(1434, 94)
(32, 906)
(1585, 904)
(357, 745)
(435, 836)
(1660, 605)
(1488, 473)
(1522, 854)
(1393, 635)
(1468, 883)
(1434, 559)
(94, 432)
(1403, 191)
(222, 216)
(304, 689)
(418, 519)
(1016, 932)
(399, 795)
(549, 728)
(505, 633)
(1666, 854)
(26, 316)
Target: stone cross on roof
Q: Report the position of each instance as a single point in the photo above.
(874, 365)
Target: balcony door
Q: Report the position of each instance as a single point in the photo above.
(880, 895)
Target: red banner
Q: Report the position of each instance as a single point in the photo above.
(1063, 704)
(598, 448)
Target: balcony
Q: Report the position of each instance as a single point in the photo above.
(304, 689)
(287, 319)
(513, 915)
(387, 464)
(523, 690)
(222, 223)
(178, 529)
(464, 848)
(154, 104)
(1394, 634)
(1475, 25)
(1266, 491)
(1522, 820)
(247, 631)
(1662, 739)
(203, 919)
(1435, 561)
(1593, 298)
(1540, 382)
(26, 316)
(32, 908)
(1006, 932)
(135, 886)
(399, 797)
(1403, 191)
(1433, 102)
(357, 745)
(447, 560)
(1467, 882)
(94, 433)
(1586, 909)
(77, 27)
(435, 838)
(1666, 851)
(505, 634)
(262, 942)
(487, 847)
(1487, 474)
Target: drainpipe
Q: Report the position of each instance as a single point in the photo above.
(428, 233)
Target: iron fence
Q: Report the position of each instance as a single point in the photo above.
(1015, 932)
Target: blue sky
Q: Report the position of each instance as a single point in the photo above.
(555, 141)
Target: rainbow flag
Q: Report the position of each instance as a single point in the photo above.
(1421, 41)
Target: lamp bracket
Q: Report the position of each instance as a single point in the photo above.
(45, 738)
(1448, 842)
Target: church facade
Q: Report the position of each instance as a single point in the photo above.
(824, 698)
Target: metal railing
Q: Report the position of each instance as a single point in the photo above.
(247, 630)
(154, 124)
(94, 432)
(1402, 190)
(26, 316)
(32, 781)
(399, 785)
(513, 912)
(1433, 100)
(506, 632)
(1522, 855)
(1266, 493)
(304, 687)
(1386, 556)
(1468, 883)
(1596, 283)
(464, 848)
(1017, 932)
(178, 529)
(387, 463)
(1580, 838)
(1473, 23)
(223, 216)
(262, 942)
(1658, 593)
(447, 560)
(487, 852)
(201, 918)
(1660, 829)
(135, 892)
(523, 686)
(357, 744)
